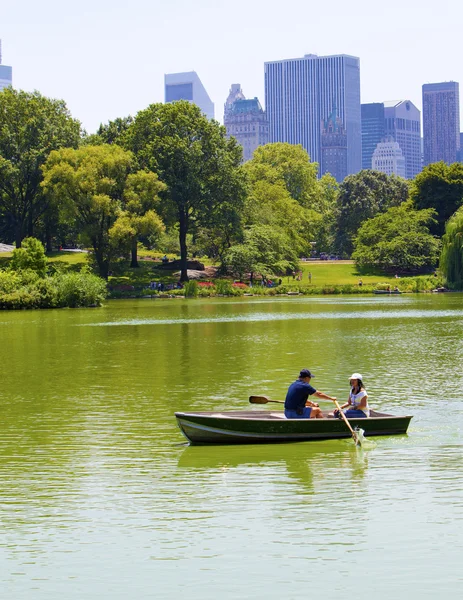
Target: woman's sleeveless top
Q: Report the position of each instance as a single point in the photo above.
(355, 400)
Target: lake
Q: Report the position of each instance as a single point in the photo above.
(101, 497)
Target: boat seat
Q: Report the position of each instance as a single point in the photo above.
(278, 415)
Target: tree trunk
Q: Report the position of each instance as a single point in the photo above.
(48, 238)
(18, 236)
(134, 263)
(183, 230)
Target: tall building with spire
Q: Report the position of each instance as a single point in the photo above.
(188, 86)
(6, 73)
(334, 146)
(299, 93)
(245, 120)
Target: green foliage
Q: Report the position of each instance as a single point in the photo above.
(31, 126)
(31, 256)
(439, 186)
(199, 165)
(111, 201)
(265, 250)
(191, 289)
(80, 289)
(286, 164)
(223, 287)
(398, 239)
(26, 289)
(451, 259)
(362, 197)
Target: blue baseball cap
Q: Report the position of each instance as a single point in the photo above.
(305, 373)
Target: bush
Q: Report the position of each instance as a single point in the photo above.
(224, 288)
(80, 289)
(30, 257)
(190, 289)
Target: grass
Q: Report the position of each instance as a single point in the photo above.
(337, 273)
(324, 273)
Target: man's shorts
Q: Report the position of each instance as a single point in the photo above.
(292, 414)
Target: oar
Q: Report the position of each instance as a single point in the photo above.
(354, 435)
(262, 400)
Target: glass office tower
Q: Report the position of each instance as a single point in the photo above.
(300, 94)
(441, 122)
(188, 86)
(372, 131)
(6, 73)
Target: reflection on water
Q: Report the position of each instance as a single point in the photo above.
(100, 497)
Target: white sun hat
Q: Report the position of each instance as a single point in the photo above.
(356, 376)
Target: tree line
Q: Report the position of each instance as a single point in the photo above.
(171, 176)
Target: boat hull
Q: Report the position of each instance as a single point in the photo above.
(265, 427)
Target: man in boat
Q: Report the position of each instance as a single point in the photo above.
(297, 403)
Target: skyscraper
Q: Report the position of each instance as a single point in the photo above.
(6, 73)
(245, 120)
(441, 122)
(299, 95)
(388, 158)
(334, 147)
(402, 125)
(188, 86)
(372, 130)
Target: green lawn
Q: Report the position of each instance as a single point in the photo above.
(337, 273)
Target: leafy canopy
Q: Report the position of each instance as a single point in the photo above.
(398, 240)
(199, 165)
(451, 259)
(31, 126)
(439, 186)
(361, 197)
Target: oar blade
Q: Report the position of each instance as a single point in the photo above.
(259, 399)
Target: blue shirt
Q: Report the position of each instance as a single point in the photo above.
(297, 395)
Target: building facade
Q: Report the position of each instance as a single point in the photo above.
(402, 125)
(245, 120)
(334, 147)
(188, 86)
(441, 122)
(372, 130)
(6, 73)
(299, 95)
(389, 158)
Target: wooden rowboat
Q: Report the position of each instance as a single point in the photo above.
(269, 427)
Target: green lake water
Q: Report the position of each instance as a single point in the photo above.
(101, 497)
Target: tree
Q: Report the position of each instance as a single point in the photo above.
(30, 256)
(451, 259)
(439, 186)
(97, 186)
(361, 197)
(398, 240)
(111, 132)
(265, 250)
(288, 164)
(138, 217)
(196, 161)
(31, 126)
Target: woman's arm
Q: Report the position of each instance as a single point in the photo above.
(348, 403)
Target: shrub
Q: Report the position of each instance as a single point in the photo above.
(190, 289)
(31, 256)
(224, 288)
(80, 289)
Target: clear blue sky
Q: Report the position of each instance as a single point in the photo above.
(107, 58)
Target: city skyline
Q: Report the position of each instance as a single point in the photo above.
(107, 62)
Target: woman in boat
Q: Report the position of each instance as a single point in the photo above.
(357, 402)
